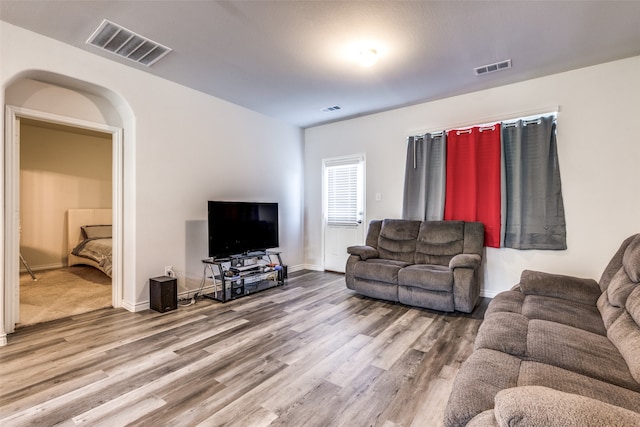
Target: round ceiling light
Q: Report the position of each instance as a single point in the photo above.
(367, 57)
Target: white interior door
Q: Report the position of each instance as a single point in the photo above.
(343, 209)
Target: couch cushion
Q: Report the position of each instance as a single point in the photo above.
(555, 344)
(619, 288)
(373, 233)
(535, 373)
(579, 351)
(481, 376)
(569, 313)
(434, 300)
(505, 332)
(380, 270)
(484, 419)
(585, 291)
(486, 372)
(609, 312)
(375, 289)
(439, 241)
(473, 237)
(581, 316)
(633, 305)
(507, 301)
(429, 277)
(543, 406)
(615, 263)
(624, 333)
(397, 239)
(631, 259)
(364, 252)
(471, 261)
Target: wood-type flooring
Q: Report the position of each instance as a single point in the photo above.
(310, 353)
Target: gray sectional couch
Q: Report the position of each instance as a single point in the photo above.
(429, 264)
(557, 351)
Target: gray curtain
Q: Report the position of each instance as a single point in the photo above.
(535, 210)
(425, 176)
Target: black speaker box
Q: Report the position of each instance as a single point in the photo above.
(163, 293)
(237, 288)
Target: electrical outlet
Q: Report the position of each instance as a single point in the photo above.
(168, 271)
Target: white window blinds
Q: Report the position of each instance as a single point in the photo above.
(344, 201)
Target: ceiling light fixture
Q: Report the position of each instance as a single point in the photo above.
(367, 57)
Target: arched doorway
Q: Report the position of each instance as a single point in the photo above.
(65, 101)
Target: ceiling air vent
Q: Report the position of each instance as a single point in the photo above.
(127, 44)
(329, 109)
(491, 68)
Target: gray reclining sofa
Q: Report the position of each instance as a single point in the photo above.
(557, 351)
(429, 264)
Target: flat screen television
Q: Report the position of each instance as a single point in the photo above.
(241, 227)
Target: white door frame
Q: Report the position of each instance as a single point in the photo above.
(12, 204)
(329, 160)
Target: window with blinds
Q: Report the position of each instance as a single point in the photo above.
(344, 198)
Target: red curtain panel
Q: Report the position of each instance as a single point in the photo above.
(473, 179)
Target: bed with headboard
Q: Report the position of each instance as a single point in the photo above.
(89, 238)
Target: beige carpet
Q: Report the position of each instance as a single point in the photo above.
(61, 293)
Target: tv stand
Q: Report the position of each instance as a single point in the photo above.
(239, 275)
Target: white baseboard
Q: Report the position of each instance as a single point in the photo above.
(314, 267)
(35, 268)
(488, 294)
(184, 295)
(294, 268)
(134, 308)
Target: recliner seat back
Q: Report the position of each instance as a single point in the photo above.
(619, 303)
(397, 240)
(439, 241)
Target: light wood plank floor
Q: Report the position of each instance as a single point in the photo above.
(310, 353)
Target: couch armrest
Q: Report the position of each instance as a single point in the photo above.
(465, 261)
(576, 289)
(364, 252)
(484, 419)
(543, 406)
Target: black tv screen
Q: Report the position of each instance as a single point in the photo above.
(241, 227)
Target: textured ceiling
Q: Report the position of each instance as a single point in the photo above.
(289, 59)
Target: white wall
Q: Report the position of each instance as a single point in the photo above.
(181, 148)
(598, 147)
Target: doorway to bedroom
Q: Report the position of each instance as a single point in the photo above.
(62, 168)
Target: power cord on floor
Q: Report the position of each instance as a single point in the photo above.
(195, 296)
(191, 301)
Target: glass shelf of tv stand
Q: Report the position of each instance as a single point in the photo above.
(240, 275)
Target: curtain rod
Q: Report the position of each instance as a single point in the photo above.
(522, 115)
(433, 135)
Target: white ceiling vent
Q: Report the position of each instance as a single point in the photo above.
(127, 44)
(329, 109)
(491, 68)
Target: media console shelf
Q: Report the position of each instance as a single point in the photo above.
(239, 275)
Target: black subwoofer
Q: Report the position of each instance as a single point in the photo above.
(237, 288)
(163, 293)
